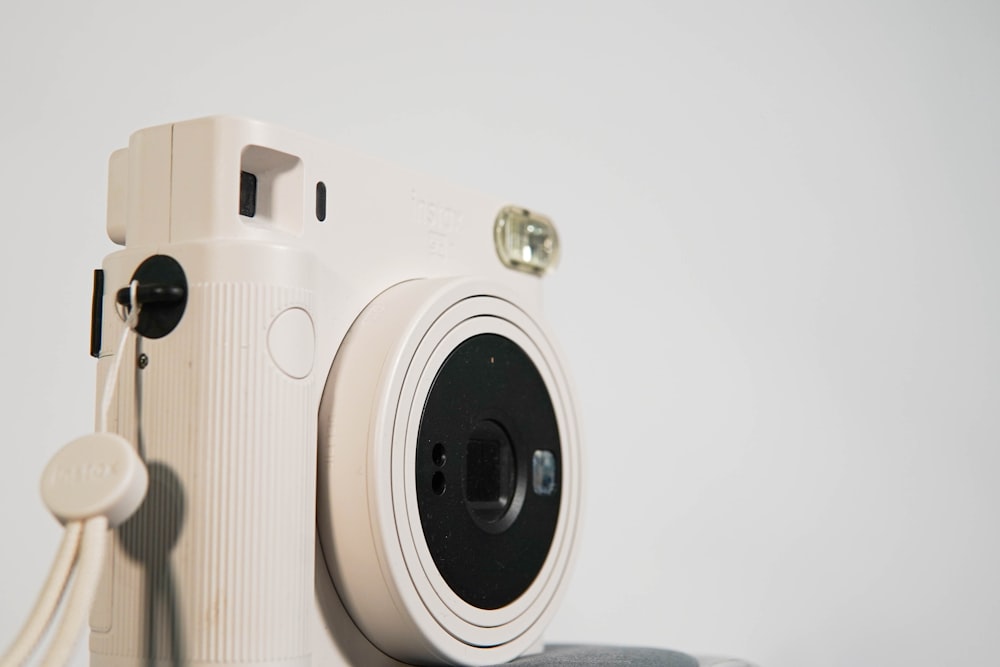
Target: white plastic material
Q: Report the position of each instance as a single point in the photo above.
(97, 475)
(291, 341)
(372, 538)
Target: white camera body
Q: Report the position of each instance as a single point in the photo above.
(312, 498)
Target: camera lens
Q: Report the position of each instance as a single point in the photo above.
(489, 472)
(490, 528)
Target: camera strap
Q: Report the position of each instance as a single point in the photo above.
(91, 485)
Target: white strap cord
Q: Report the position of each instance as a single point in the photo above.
(92, 484)
(131, 318)
(81, 596)
(48, 600)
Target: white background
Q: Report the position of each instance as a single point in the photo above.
(779, 294)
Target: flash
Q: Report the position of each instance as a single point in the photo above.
(526, 241)
(543, 472)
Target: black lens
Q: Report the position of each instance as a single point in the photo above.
(488, 529)
(489, 472)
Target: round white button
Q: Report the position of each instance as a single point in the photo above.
(292, 342)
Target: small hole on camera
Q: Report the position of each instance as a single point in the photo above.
(439, 455)
(321, 201)
(438, 484)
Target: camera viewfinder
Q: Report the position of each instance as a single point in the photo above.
(248, 194)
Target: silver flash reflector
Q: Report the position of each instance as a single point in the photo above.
(526, 241)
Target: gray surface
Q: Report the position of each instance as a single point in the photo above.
(608, 655)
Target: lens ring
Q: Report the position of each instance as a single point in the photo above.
(371, 542)
(461, 321)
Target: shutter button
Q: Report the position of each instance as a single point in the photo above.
(291, 340)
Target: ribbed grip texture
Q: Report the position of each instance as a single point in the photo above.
(217, 566)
